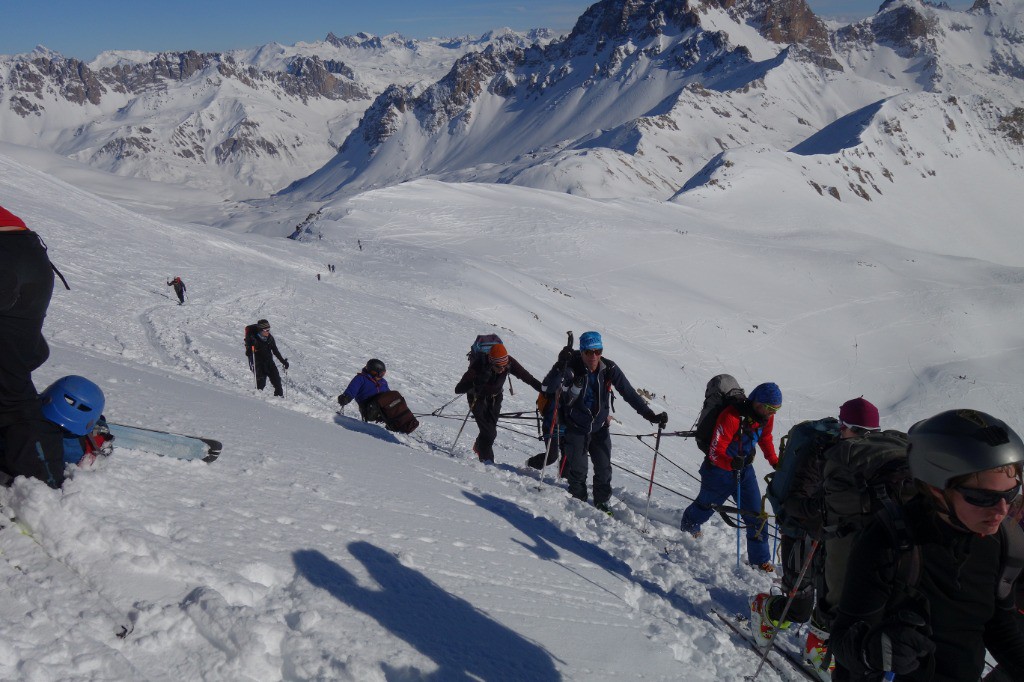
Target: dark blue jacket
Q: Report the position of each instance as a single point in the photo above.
(589, 408)
(363, 387)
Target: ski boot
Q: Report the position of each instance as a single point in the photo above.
(817, 655)
(762, 626)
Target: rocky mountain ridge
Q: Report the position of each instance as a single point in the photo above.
(642, 93)
(245, 120)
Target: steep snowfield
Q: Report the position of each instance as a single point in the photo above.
(317, 547)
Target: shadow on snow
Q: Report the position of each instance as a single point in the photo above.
(464, 642)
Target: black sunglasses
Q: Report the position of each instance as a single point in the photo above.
(987, 498)
(593, 351)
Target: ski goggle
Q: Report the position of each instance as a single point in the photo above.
(771, 409)
(987, 498)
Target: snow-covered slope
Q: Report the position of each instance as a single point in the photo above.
(320, 548)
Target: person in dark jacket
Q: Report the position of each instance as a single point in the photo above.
(803, 508)
(484, 387)
(179, 289)
(1001, 673)
(585, 410)
(260, 347)
(32, 445)
(729, 466)
(937, 626)
(364, 387)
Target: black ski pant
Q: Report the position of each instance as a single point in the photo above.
(794, 555)
(485, 413)
(577, 446)
(30, 445)
(266, 369)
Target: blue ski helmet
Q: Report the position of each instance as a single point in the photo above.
(591, 341)
(74, 403)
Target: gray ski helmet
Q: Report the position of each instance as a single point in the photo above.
(959, 442)
(375, 366)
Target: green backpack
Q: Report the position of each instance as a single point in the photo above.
(860, 475)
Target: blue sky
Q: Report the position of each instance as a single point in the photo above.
(82, 29)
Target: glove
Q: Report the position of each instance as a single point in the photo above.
(252, 365)
(565, 354)
(579, 381)
(285, 363)
(344, 400)
(897, 646)
(567, 377)
(660, 419)
(738, 462)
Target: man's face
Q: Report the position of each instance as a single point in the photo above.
(591, 358)
(265, 332)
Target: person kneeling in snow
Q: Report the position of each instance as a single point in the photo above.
(364, 387)
(75, 404)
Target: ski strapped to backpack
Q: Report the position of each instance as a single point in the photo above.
(722, 391)
(803, 446)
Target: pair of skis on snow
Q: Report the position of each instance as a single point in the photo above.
(177, 445)
(741, 626)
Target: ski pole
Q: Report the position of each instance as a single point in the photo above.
(739, 506)
(789, 602)
(650, 485)
(554, 416)
(551, 432)
(451, 452)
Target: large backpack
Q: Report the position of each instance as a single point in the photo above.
(478, 354)
(860, 475)
(802, 446)
(721, 392)
(397, 415)
(250, 332)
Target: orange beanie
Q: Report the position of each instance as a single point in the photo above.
(498, 355)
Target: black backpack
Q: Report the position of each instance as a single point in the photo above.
(251, 330)
(722, 391)
(479, 352)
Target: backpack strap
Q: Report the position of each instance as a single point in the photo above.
(1011, 557)
(908, 560)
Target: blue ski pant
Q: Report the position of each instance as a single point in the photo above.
(718, 485)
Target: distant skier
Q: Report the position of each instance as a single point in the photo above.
(179, 289)
(260, 347)
(32, 446)
(364, 387)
